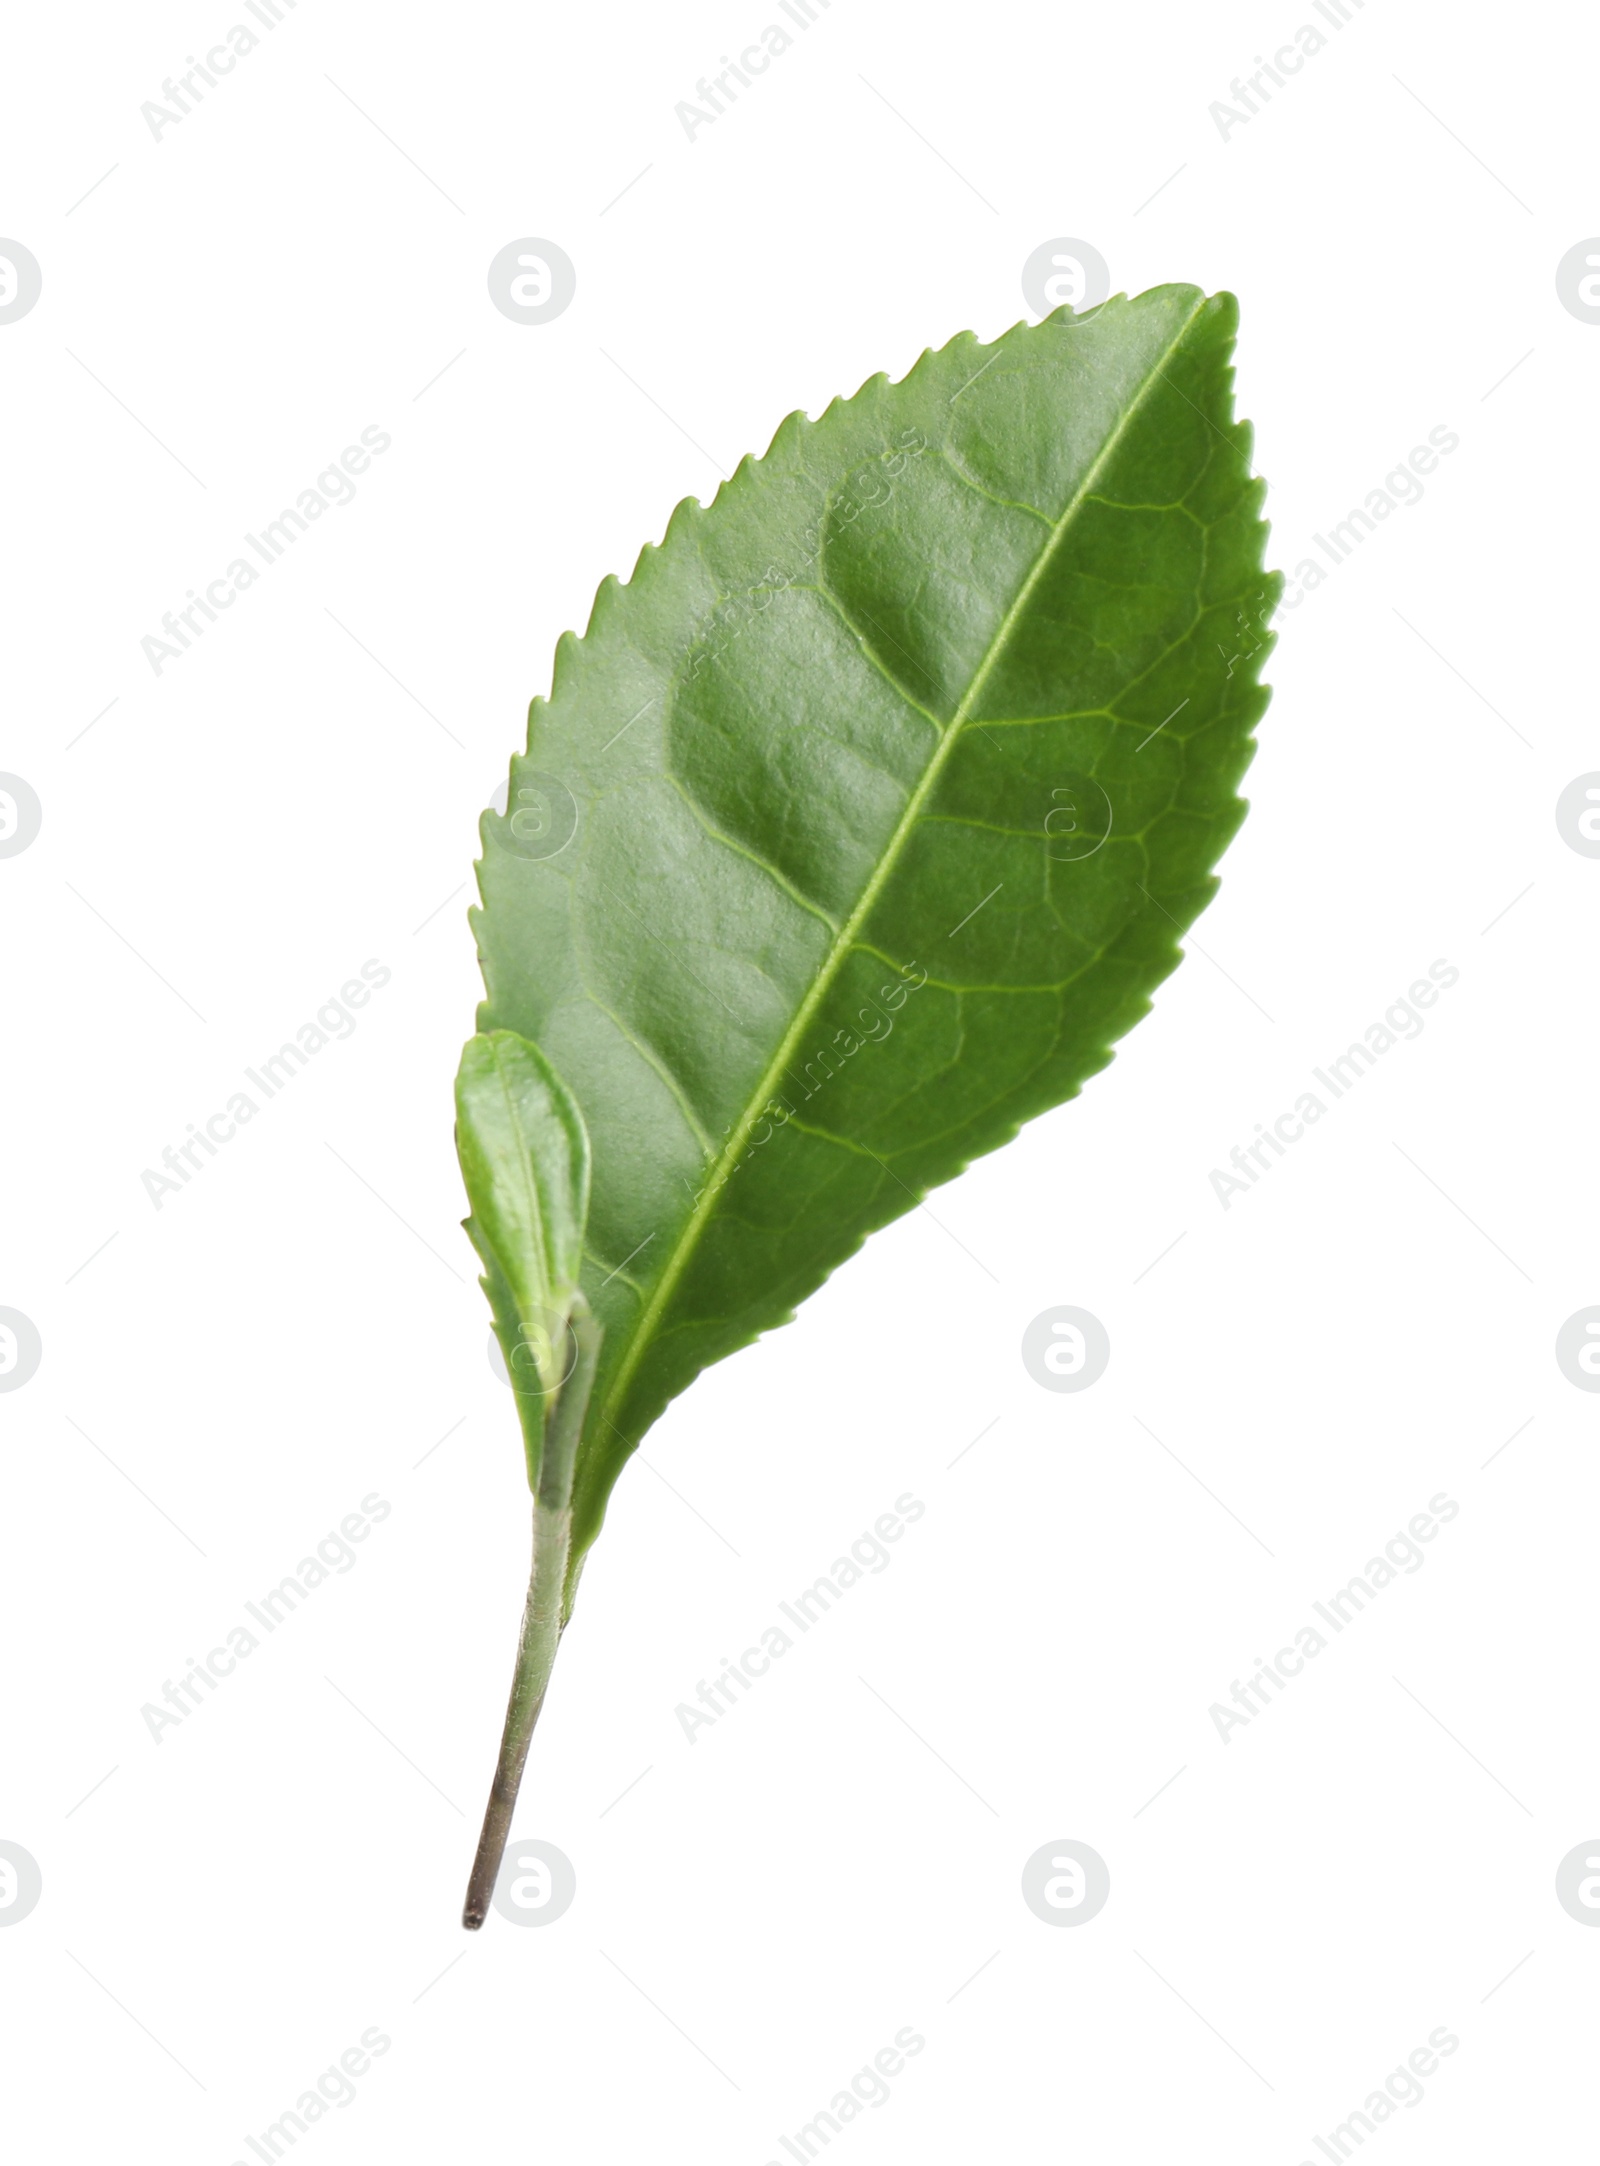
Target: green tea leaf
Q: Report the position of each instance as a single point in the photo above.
(865, 818)
(525, 1160)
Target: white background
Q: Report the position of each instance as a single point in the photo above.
(1299, 1907)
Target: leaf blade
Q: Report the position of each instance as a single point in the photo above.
(844, 735)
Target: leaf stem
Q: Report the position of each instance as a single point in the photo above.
(542, 1613)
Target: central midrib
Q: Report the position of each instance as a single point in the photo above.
(678, 1261)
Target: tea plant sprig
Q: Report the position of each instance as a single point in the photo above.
(858, 826)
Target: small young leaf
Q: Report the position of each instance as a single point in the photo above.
(524, 1156)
